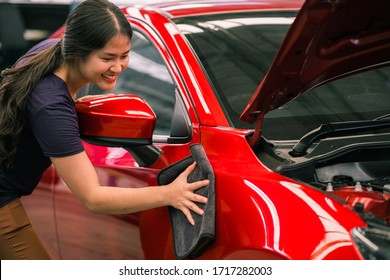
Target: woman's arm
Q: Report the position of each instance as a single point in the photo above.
(79, 175)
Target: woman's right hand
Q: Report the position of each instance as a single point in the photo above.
(181, 194)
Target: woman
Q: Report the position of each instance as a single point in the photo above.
(38, 127)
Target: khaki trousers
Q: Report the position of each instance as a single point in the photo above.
(18, 239)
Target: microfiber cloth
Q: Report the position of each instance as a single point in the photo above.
(191, 241)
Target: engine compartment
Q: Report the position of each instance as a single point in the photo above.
(356, 171)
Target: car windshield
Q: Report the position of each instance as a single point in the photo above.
(236, 51)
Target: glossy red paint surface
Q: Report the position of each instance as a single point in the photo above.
(260, 214)
(128, 116)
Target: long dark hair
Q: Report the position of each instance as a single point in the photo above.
(88, 27)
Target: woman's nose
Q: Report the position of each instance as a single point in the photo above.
(117, 66)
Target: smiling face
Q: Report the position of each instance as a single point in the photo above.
(103, 66)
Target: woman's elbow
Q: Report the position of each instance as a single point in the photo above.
(94, 205)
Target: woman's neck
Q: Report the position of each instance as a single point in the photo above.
(72, 80)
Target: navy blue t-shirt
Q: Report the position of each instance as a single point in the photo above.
(51, 130)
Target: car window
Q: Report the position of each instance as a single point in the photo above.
(148, 77)
(363, 96)
(236, 51)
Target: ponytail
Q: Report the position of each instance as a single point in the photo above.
(16, 83)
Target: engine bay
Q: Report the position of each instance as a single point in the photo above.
(356, 171)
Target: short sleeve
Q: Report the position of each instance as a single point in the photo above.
(51, 114)
(55, 127)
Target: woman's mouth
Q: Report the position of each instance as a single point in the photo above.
(109, 78)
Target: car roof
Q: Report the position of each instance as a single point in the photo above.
(181, 8)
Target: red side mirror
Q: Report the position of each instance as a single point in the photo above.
(122, 120)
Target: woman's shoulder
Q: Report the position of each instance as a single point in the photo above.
(53, 84)
(50, 90)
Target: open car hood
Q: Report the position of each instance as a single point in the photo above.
(329, 39)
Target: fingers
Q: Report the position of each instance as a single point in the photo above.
(188, 205)
(199, 184)
(188, 215)
(195, 208)
(199, 198)
(189, 169)
(187, 211)
(195, 185)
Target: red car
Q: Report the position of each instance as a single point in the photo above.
(289, 100)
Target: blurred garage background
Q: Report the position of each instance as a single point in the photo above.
(24, 23)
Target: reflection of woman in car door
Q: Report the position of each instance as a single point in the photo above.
(38, 127)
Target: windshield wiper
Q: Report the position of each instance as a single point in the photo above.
(335, 129)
